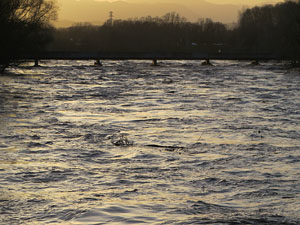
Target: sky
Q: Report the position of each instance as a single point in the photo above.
(248, 2)
(237, 2)
(97, 11)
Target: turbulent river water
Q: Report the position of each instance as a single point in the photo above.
(129, 143)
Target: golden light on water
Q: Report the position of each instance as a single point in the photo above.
(205, 147)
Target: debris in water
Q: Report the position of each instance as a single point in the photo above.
(121, 140)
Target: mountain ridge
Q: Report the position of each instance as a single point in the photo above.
(97, 12)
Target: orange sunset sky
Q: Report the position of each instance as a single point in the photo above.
(96, 11)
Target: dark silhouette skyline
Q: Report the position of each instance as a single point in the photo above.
(265, 29)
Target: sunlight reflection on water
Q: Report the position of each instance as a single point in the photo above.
(212, 145)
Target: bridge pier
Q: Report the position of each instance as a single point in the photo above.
(206, 63)
(98, 62)
(255, 62)
(36, 63)
(154, 62)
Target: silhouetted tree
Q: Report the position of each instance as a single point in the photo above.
(288, 28)
(25, 27)
(274, 29)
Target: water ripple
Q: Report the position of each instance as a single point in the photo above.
(128, 143)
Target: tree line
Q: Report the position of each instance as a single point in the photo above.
(169, 33)
(266, 29)
(25, 28)
(269, 28)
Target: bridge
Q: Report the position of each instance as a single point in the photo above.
(154, 56)
(147, 56)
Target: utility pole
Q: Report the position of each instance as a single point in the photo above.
(111, 17)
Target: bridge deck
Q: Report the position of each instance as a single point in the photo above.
(146, 56)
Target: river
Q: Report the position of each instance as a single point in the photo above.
(130, 143)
